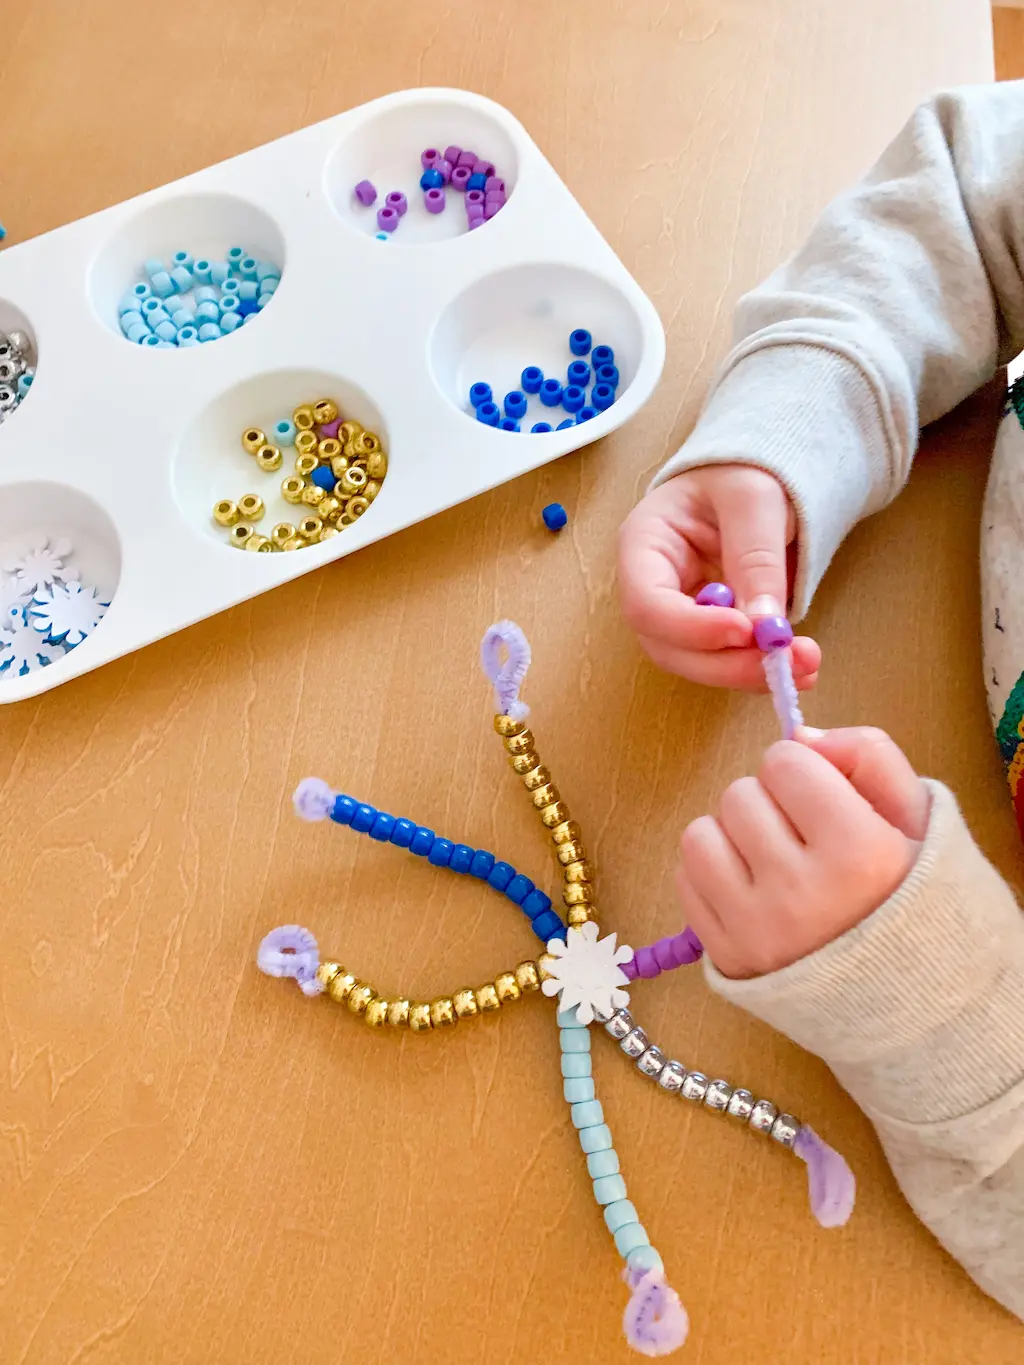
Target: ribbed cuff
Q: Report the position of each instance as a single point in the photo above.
(919, 1010)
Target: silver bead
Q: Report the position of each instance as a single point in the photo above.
(763, 1116)
(671, 1077)
(20, 342)
(718, 1096)
(11, 369)
(650, 1062)
(602, 1016)
(785, 1129)
(620, 1024)
(695, 1086)
(740, 1105)
(635, 1042)
(8, 398)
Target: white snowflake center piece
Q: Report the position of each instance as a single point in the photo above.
(587, 974)
(41, 565)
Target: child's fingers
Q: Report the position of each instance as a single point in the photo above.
(653, 577)
(823, 806)
(714, 866)
(753, 523)
(879, 770)
(699, 914)
(756, 826)
(739, 669)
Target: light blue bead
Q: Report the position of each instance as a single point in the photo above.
(165, 346)
(152, 266)
(129, 304)
(644, 1259)
(574, 1040)
(138, 333)
(597, 1139)
(284, 433)
(24, 384)
(577, 1089)
(266, 268)
(183, 317)
(383, 236)
(188, 336)
(630, 1238)
(568, 1019)
(619, 1215)
(163, 286)
(183, 259)
(248, 268)
(219, 272)
(589, 1114)
(151, 342)
(153, 312)
(248, 289)
(269, 285)
(603, 1163)
(209, 332)
(230, 322)
(201, 271)
(250, 317)
(576, 1064)
(207, 312)
(263, 300)
(231, 286)
(609, 1189)
(130, 320)
(206, 295)
(229, 304)
(236, 255)
(182, 279)
(166, 331)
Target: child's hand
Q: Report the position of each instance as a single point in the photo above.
(801, 853)
(728, 522)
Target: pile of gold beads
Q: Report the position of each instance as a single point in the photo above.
(339, 470)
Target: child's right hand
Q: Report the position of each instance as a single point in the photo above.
(727, 522)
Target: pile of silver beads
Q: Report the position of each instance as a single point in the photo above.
(17, 370)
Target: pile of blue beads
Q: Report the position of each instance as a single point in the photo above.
(189, 301)
(570, 395)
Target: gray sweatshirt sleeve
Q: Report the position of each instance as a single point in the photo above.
(906, 298)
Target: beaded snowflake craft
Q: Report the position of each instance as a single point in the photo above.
(46, 611)
(589, 975)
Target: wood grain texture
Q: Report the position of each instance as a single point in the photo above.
(197, 1164)
(1008, 34)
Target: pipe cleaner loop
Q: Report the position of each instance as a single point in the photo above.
(313, 799)
(506, 674)
(831, 1184)
(655, 1321)
(291, 951)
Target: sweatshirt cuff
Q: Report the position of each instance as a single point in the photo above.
(810, 416)
(919, 1010)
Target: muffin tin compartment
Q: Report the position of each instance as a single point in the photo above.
(13, 320)
(394, 336)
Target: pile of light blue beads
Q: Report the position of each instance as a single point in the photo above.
(571, 395)
(190, 301)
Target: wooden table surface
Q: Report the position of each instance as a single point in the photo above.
(196, 1163)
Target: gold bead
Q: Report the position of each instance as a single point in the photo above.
(578, 915)
(578, 893)
(341, 985)
(359, 997)
(251, 507)
(296, 543)
(545, 963)
(252, 439)
(328, 533)
(524, 763)
(570, 853)
(338, 466)
(312, 495)
(465, 1003)
(419, 1018)
(225, 512)
(305, 464)
(544, 796)
(346, 518)
(507, 727)
(527, 976)
(568, 832)
(371, 490)
(554, 814)
(260, 545)
(326, 973)
(239, 534)
(376, 1012)
(442, 1012)
(310, 528)
(353, 480)
(325, 411)
(398, 1014)
(348, 431)
(579, 871)
(329, 449)
(306, 444)
(536, 778)
(356, 506)
(507, 987)
(303, 417)
(268, 458)
(328, 507)
(291, 488)
(519, 744)
(282, 533)
(377, 464)
(366, 443)
(487, 999)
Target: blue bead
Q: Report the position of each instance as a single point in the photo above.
(3, 232)
(480, 393)
(130, 320)
(602, 396)
(531, 379)
(284, 433)
(534, 903)
(603, 1163)
(440, 854)
(248, 289)
(152, 266)
(643, 1259)
(383, 236)
(573, 398)
(129, 304)
(603, 355)
(539, 428)
(231, 286)
(555, 516)
(569, 422)
(206, 294)
(142, 291)
(153, 312)
(363, 818)
(548, 925)
(151, 340)
(382, 828)
(268, 286)
(323, 476)
(209, 332)
(578, 373)
(515, 403)
(401, 835)
(578, 1089)
(266, 269)
(500, 875)
(229, 304)
(431, 179)
(248, 268)
(235, 257)
(207, 312)
(166, 330)
(230, 322)
(579, 341)
(183, 317)
(508, 424)
(481, 864)
(263, 300)
(201, 271)
(24, 384)
(343, 810)
(589, 1114)
(585, 415)
(218, 273)
(163, 285)
(619, 1215)
(182, 259)
(609, 1189)
(247, 307)
(576, 1064)
(476, 181)
(607, 374)
(551, 393)
(519, 888)
(181, 279)
(462, 857)
(631, 1238)
(188, 336)
(138, 332)
(574, 1040)
(595, 1139)
(422, 841)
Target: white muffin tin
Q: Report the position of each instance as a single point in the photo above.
(124, 450)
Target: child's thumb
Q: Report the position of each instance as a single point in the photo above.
(877, 768)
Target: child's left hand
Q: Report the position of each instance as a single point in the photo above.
(798, 855)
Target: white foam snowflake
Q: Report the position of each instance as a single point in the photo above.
(66, 613)
(21, 649)
(41, 565)
(587, 974)
(10, 594)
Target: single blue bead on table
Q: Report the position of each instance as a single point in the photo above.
(323, 476)
(555, 516)
(343, 810)
(184, 259)
(431, 180)
(152, 266)
(284, 432)
(531, 379)
(619, 1215)
(162, 285)
(578, 1089)
(576, 1064)
(230, 322)
(600, 1164)
(580, 341)
(569, 422)
(508, 424)
(382, 828)
(589, 1114)
(578, 373)
(422, 841)
(585, 414)
(480, 393)
(597, 1139)
(607, 374)
(603, 355)
(630, 1238)
(201, 271)
(609, 1189)
(401, 835)
(481, 864)
(188, 336)
(551, 393)
(540, 428)
(519, 888)
(602, 396)
(219, 273)
(574, 1040)
(363, 818)
(500, 875)
(534, 903)
(441, 852)
(573, 398)
(547, 926)
(515, 403)
(461, 859)
(476, 181)
(181, 279)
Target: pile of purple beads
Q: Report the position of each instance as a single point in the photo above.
(484, 191)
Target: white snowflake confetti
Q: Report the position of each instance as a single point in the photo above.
(587, 975)
(41, 565)
(10, 594)
(21, 649)
(66, 613)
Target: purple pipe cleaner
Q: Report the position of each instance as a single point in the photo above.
(291, 951)
(655, 1322)
(778, 669)
(831, 1184)
(313, 799)
(665, 956)
(506, 674)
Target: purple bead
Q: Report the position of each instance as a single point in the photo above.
(664, 953)
(429, 158)
(688, 947)
(494, 197)
(366, 192)
(771, 633)
(330, 429)
(484, 168)
(475, 213)
(491, 209)
(495, 183)
(446, 168)
(434, 201)
(475, 197)
(476, 222)
(452, 154)
(397, 201)
(646, 964)
(467, 159)
(387, 218)
(715, 595)
(629, 969)
(460, 177)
